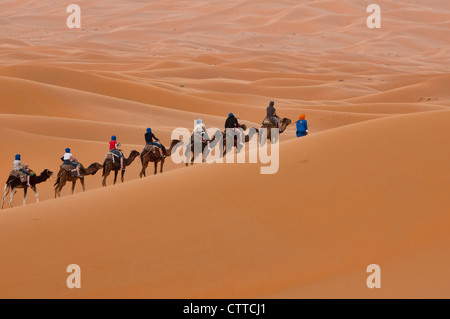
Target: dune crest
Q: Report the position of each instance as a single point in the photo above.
(369, 184)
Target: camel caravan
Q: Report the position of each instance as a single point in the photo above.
(22, 177)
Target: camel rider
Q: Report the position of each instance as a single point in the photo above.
(233, 127)
(22, 168)
(68, 159)
(302, 126)
(200, 133)
(272, 114)
(113, 148)
(149, 137)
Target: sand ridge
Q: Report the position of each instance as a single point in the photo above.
(369, 184)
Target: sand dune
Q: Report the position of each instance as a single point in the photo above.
(305, 236)
(369, 184)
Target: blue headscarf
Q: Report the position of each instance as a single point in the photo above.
(199, 121)
(231, 114)
(149, 130)
(17, 157)
(67, 150)
(113, 138)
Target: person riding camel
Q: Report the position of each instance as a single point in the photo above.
(68, 159)
(22, 168)
(113, 148)
(232, 126)
(272, 114)
(149, 137)
(302, 126)
(200, 133)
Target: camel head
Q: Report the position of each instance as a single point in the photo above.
(174, 145)
(174, 142)
(134, 154)
(284, 124)
(94, 168)
(46, 173)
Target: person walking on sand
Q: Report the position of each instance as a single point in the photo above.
(302, 126)
(68, 159)
(22, 168)
(113, 148)
(200, 133)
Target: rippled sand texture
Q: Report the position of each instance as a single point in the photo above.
(368, 185)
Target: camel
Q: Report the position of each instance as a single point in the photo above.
(109, 165)
(150, 156)
(269, 125)
(247, 138)
(13, 183)
(204, 144)
(66, 176)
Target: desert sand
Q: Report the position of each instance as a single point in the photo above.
(368, 185)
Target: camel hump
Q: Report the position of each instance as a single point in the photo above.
(148, 148)
(267, 121)
(14, 174)
(67, 167)
(17, 174)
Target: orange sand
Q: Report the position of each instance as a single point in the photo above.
(368, 185)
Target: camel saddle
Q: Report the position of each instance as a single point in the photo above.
(204, 141)
(242, 126)
(267, 121)
(150, 149)
(18, 174)
(69, 168)
(112, 156)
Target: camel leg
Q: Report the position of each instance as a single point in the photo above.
(106, 174)
(73, 185)
(11, 196)
(156, 167)
(25, 190)
(192, 156)
(60, 186)
(144, 167)
(57, 190)
(5, 193)
(204, 156)
(35, 193)
(122, 174)
(115, 176)
(188, 158)
(161, 164)
(82, 184)
(186, 154)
